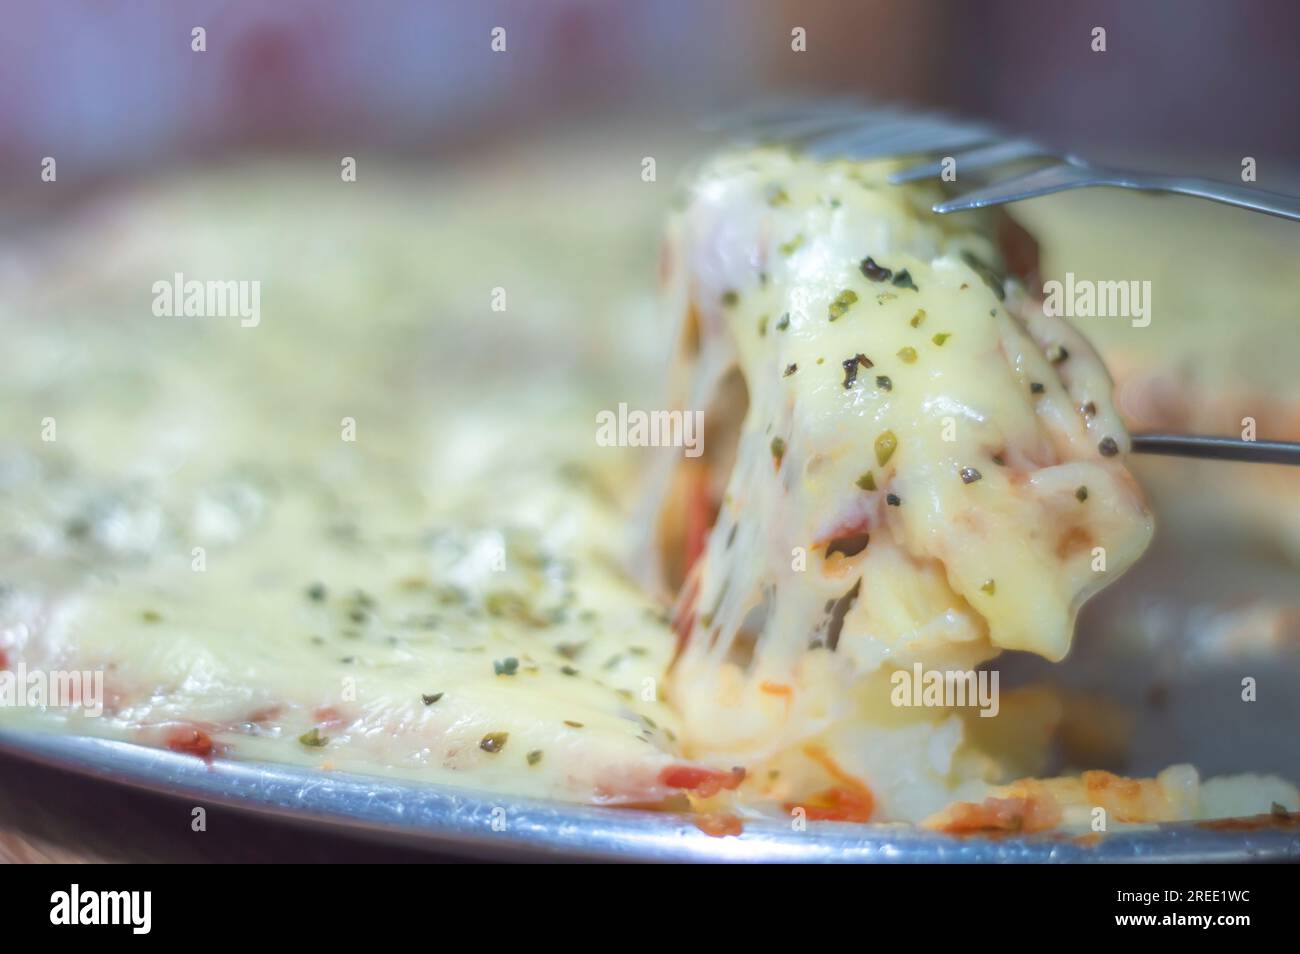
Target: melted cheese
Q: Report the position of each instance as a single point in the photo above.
(916, 480)
(375, 592)
(464, 546)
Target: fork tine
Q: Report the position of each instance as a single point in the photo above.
(903, 137)
(779, 110)
(917, 141)
(1217, 448)
(980, 158)
(867, 133)
(803, 127)
(848, 128)
(1056, 178)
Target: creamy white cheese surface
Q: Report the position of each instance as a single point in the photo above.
(372, 533)
(927, 472)
(377, 532)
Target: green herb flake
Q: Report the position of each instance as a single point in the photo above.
(452, 596)
(1108, 447)
(730, 298)
(316, 592)
(783, 322)
(430, 698)
(1081, 494)
(867, 481)
(1036, 387)
(778, 450)
(151, 616)
(313, 739)
(790, 369)
(1057, 354)
(493, 742)
(505, 604)
(907, 355)
(573, 725)
(893, 500)
(916, 319)
(886, 444)
(843, 301)
(884, 383)
(762, 326)
(904, 280)
(940, 338)
(534, 756)
(990, 587)
(505, 667)
(789, 248)
(776, 195)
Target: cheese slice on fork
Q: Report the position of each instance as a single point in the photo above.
(929, 469)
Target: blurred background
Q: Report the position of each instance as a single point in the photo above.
(111, 87)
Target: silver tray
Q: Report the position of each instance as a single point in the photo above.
(482, 826)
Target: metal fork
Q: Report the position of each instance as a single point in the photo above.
(843, 129)
(848, 129)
